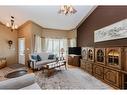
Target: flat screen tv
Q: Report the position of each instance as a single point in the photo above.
(74, 50)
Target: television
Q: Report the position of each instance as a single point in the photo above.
(74, 50)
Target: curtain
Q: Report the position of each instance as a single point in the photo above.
(54, 45)
(38, 46)
(73, 42)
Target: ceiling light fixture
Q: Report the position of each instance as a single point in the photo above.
(67, 9)
(12, 24)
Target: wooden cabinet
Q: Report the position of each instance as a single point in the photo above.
(89, 67)
(82, 64)
(107, 64)
(70, 60)
(74, 60)
(112, 77)
(3, 62)
(98, 71)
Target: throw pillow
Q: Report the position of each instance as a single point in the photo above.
(34, 57)
(51, 56)
(38, 58)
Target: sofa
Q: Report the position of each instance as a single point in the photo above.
(25, 82)
(38, 60)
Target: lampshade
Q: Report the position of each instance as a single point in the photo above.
(62, 50)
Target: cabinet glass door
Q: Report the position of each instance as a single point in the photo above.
(100, 56)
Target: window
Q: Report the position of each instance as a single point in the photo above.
(54, 45)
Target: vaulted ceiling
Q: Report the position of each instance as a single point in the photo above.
(45, 16)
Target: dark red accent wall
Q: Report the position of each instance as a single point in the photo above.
(101, 17)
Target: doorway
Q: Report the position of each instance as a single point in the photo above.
(21, 51)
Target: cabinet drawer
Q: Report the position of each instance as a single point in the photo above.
(98, 71)
(88, 67)
(111, 77)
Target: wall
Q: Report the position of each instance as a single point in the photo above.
(5, 51)
(101, 17)
(25, 32)
(29, 29)
(52, 33)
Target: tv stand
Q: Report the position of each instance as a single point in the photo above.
(74, 60)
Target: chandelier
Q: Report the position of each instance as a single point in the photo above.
(67, 9)
(12, 25)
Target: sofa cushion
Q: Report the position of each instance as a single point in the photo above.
(51, 56)
(34, 57)
(44, 55)
(38, 58)
(44, 62)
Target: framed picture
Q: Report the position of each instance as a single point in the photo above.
(115, 31)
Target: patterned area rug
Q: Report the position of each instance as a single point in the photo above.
(73, 78)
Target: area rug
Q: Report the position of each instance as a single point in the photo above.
(73, 78)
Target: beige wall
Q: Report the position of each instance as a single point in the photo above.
(5, 51)
(52, 33)
(29, 29)
(72, 34)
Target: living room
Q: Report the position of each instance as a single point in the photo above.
(63, 47)
(29, 40)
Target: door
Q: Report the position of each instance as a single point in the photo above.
(21, 50)
(88, 67)
(98, 71)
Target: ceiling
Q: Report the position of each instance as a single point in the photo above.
(45, 16)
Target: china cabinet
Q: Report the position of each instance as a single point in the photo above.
(108, 64)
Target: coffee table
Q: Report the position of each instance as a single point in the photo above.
(54, 65)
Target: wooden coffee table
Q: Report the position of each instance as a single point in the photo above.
(49, 67)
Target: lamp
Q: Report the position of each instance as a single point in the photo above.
(62, 51)
(67, 9)
(12, 24)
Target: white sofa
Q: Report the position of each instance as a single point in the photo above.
(44, 60)
(25, 82)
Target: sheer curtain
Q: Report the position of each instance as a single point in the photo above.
(37, 44)
(55, 45)
(73, 42)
